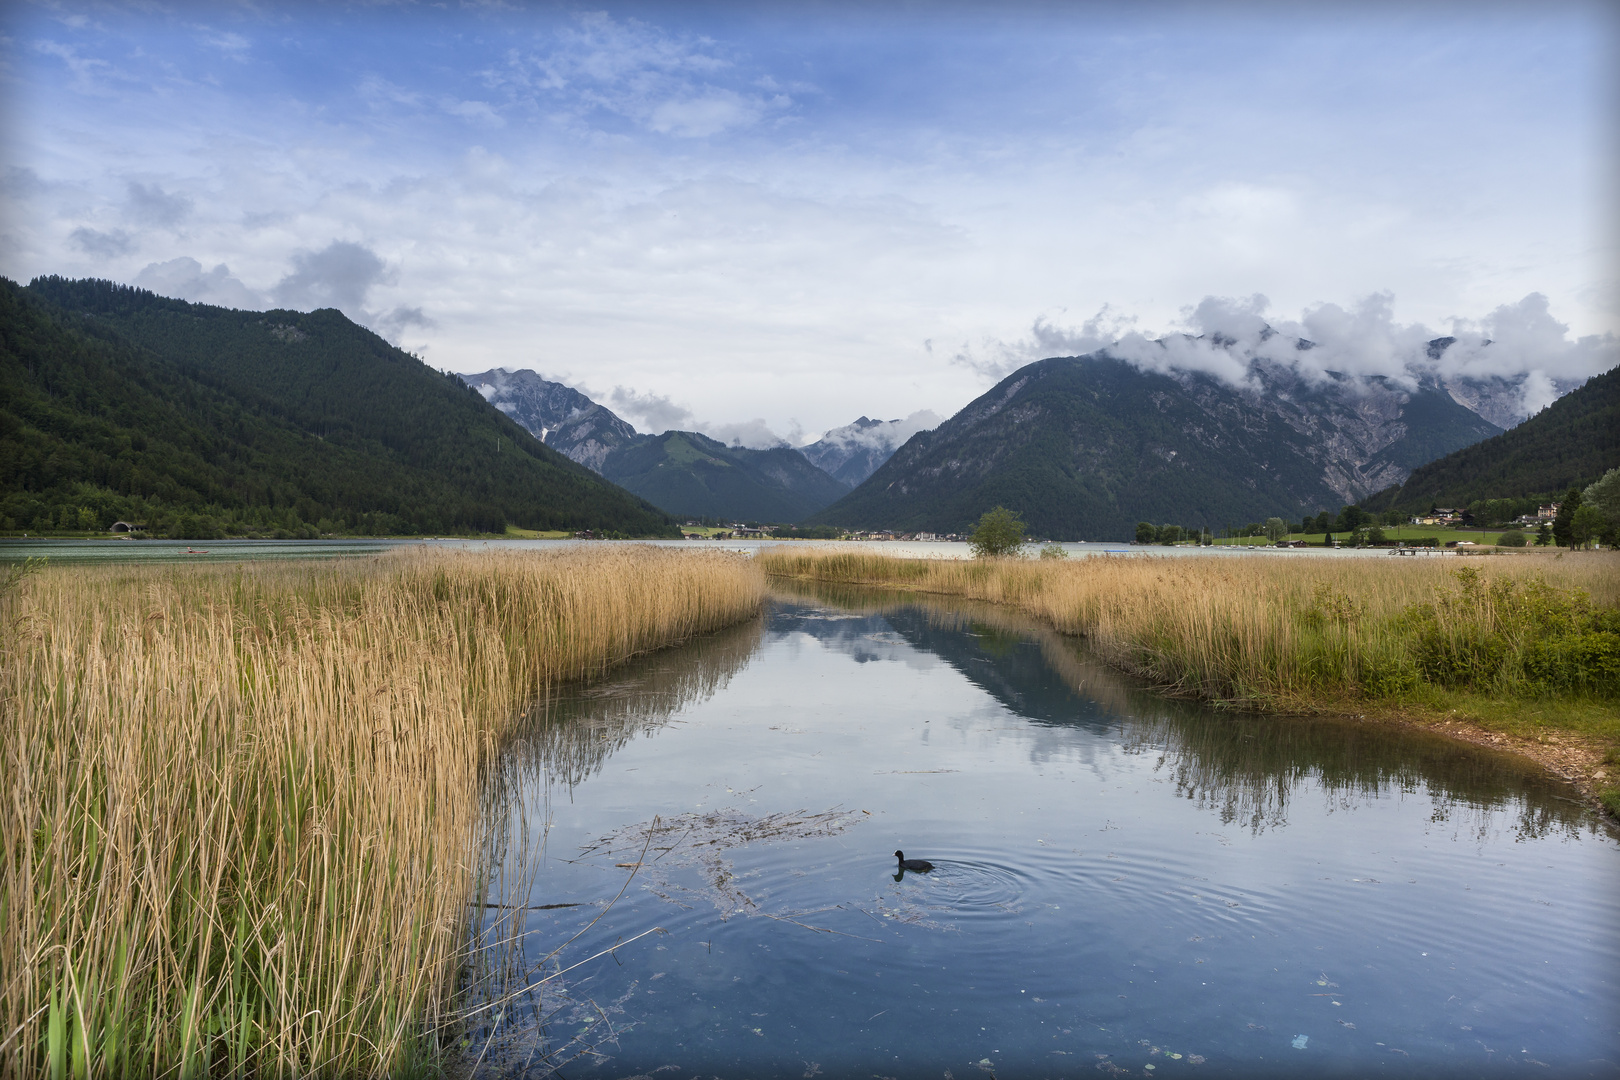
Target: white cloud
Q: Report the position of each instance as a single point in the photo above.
(340, 275)
(755, 434)
(185, 279)
(688, 216)
(706, 113)
(1522, 344)
(886, 434)
(655, 412)
(668, 83)
(106, 245)
(149, 204)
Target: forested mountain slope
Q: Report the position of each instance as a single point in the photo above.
(1571, 442)
(682, 472)
(693, 475)
(1085, 447)
(197, 420)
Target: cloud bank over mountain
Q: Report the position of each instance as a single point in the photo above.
(753, 209)
(1521, 347)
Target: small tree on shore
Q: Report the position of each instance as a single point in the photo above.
(1567, 506)
(1604, 497)
(1276, 529)
(1145, 532)
(1586, 525)
(998, 535)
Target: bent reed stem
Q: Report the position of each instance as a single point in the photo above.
(244, 807)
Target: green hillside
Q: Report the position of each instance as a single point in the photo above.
(1571, 442)
(202, 421)
(1085, 447)
(692, 475)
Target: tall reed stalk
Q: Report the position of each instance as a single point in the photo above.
(243, 814)
(1290, 630)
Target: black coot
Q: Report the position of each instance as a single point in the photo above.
(920, 866)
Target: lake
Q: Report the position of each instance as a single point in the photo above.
(1122, 883)
(193, 552)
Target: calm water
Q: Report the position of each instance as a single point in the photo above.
(1122, 884)
(111, 549)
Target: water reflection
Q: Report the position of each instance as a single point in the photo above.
(1119, 880)
(1244, 767)
(566, 735)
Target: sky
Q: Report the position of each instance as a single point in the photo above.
(764, 220)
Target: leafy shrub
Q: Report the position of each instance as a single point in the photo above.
(1588, 661)
(999, 534)
(1508, 635)
(1511, 539)
(1459, 656)
(1388, 676)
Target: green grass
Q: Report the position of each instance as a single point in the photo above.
(1528, 646)
(515, 533)
(1392, 532)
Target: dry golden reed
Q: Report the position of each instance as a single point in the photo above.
(243, 813)
(1280, 630)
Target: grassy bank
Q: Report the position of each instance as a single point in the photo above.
(1529, 645)
(244, 809)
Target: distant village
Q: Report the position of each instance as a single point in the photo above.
(694, 530)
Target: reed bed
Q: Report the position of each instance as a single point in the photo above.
(243, 816)
(1289, 632)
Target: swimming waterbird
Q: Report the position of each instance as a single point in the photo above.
(920, 866)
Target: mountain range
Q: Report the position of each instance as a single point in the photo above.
(686, 473)
(118, 402)
(1570, 443)
(197, 421)
(1084, 447)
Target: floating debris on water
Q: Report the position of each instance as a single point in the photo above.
(700, 841)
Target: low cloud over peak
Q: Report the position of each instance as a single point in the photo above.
(185, 279)
(1233, 339)
(340, 275)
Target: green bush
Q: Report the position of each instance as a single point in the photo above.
(999, 534)
(1460, 656)
(1511, 539)
(1587, 661)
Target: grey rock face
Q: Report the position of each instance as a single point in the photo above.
(1087, 446)
(851, 453)
(559, 416)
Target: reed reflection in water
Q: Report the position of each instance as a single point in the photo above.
(1243, 767)
(1112, 902)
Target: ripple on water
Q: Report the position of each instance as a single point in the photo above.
(958, 890)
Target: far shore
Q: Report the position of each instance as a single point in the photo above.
(1307, 635)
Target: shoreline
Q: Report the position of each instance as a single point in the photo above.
(1574, 758)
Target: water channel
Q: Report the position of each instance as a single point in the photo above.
(1122, 883)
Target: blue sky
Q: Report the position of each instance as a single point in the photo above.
(773, 218)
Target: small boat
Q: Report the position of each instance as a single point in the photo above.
(194, 551)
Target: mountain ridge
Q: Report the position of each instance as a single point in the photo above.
(1570, 443)
(122, 402)
(1087, 446)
